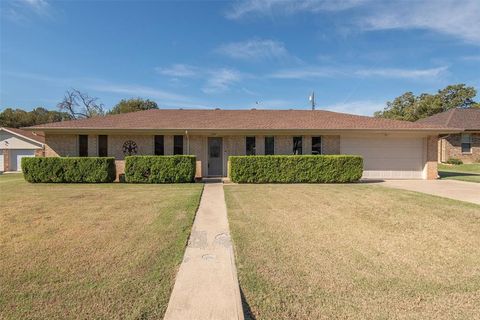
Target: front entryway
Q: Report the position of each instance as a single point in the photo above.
(215, 156)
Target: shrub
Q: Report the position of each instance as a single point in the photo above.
(296, 169)
(454, 161)
(69, 169)
(160, 169)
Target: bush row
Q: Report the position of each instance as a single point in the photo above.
(296, 169)
(160, 169)
(69, 170)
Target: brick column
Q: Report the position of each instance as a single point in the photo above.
(260, 145)
(6, 160)
(330, 144)
(432, 158)
(168, 145)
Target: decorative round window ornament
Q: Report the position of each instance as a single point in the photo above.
(129, 148)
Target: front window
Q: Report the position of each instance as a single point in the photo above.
(250, 146)
(83, 145)
(103, 146)
(159, 149)
(316, 145)
(297, 145)
(466, 143)
(269, 145)
(177, 145)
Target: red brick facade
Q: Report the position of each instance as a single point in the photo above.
(451, 147)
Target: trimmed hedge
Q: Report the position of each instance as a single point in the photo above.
(160, 169)
(69, 169)
(296, 169)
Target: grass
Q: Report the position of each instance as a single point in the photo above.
(354, 252)
(97, 251)
(463, 172)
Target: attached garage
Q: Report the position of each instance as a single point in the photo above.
(16, 144)
(16, 158)
(387, 157)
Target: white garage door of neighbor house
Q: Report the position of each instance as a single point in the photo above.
(387, 157)
(16, 156)
(1, 161)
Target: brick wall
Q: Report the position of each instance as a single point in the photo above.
(331, 144)
(145, 145)
(432, 158)
(451, 147)
(6, 160)
(61, 145)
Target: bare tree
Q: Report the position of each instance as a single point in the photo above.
(80, 105)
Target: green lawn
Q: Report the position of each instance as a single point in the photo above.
(464, 172)
(354, 252)
(91, 251)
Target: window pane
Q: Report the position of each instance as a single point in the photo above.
(466, 147)
(159, 149)
(297, 145)
(269, 145)
(177, 145)
(103, 146)
(466, 138)
(83, 145)
(316, 145)
(250, 146)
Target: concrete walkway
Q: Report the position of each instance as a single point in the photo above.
(458, 190)
(207, 286)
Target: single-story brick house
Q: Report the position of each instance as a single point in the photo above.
(465, 145)
(391, 149)
(16, 144)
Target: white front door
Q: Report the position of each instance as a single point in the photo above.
(387, 157)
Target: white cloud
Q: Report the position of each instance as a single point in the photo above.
(179, 70)
(217, 80)
(471, 58)
(366, 108)
(452, 17)
(136, 90)
(319, 72)
(457, 18)
(306, 73)
(220, 80)
(402, 73)
(268, 7)
(254, 49)
(21, 11)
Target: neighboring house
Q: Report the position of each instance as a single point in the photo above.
(465, 145)
(390, 148)
(16, 144)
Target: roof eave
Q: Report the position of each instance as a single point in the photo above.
(223, 130)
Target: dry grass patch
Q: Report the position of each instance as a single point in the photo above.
(106, 251)
(354, 252)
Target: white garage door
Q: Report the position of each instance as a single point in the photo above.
(16, 156)
(1, 161)
(387, 157)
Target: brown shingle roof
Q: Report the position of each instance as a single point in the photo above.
(467, 119)
(237, 120)
(27, 134)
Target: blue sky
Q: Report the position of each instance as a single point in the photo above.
(355, 54)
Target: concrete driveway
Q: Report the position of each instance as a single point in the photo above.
(458, 190)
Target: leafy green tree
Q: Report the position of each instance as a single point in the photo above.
(132, 105)
(412, 108)
(17, 118)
